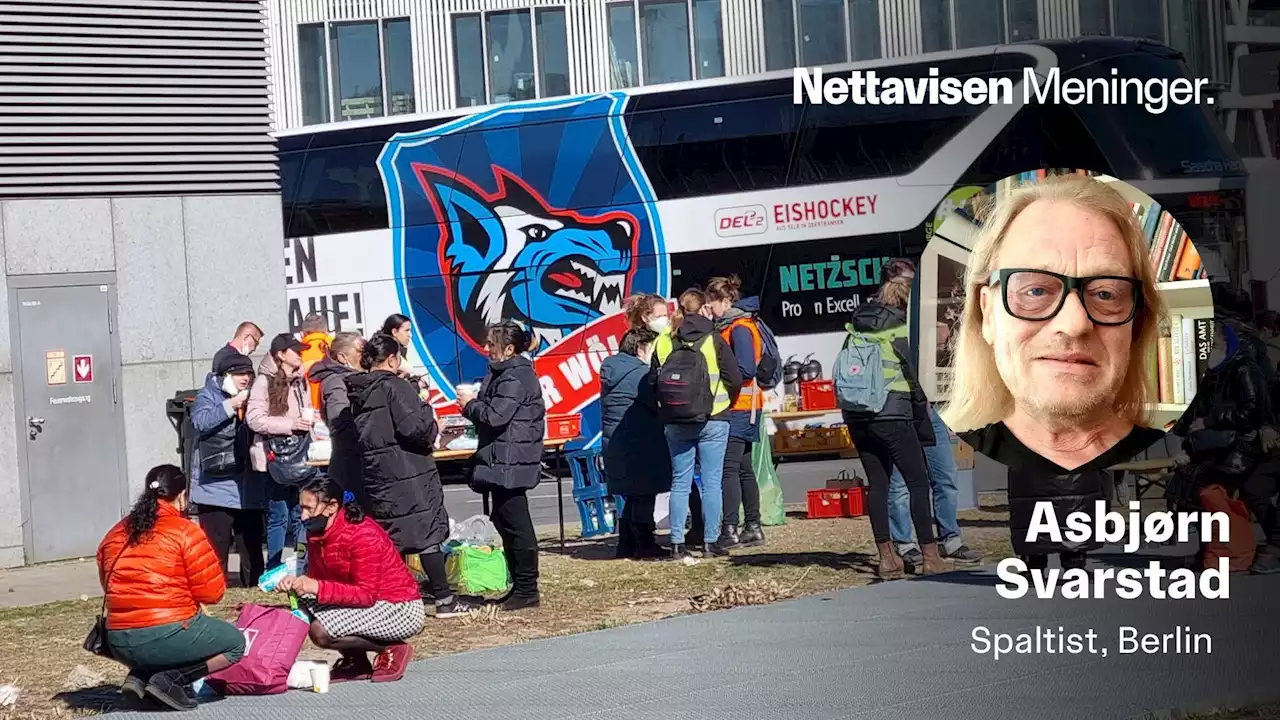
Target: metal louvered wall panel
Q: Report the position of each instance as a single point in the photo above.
(1059, 18)
(124, 97)
(900, 27)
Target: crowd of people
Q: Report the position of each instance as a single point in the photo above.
(1045, 383)
(357, 521)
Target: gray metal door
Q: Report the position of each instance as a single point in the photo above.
(69, 419)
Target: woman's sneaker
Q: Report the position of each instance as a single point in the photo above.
(168, 687)
(390, 664)
(453, 609)
(134, 686)
(963, 555)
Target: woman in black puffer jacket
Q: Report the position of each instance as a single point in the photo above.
(402, 491)
(510, 420)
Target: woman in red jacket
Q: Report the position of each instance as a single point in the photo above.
(157, 568)
(359, 592)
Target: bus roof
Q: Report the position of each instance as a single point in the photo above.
(1096, 43)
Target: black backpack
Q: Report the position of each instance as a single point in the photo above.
(683, 387)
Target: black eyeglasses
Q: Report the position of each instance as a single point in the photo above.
(1036, 295)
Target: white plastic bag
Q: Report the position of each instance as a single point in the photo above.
(477, 530)
(661, 511)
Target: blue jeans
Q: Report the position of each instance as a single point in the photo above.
(942, 478)
(705, 444)
(284, 521)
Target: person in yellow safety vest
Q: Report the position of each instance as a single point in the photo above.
(703, 443)
(895, 436)
(315, 335)
(735, 319)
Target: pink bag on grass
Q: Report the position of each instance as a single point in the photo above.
(273, 638)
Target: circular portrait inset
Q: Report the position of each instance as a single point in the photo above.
(1075, 320)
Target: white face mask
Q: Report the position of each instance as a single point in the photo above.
(247, 349)
(660, 324)
(229, 385)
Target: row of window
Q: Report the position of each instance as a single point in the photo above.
(355, 70)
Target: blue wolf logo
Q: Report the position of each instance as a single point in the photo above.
(538, 212)
(510, 255)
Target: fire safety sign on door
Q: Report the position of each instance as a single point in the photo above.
(82, 366)
(55, 367)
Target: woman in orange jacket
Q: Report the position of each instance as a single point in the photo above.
(157, 569)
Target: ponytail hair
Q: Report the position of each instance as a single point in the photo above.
(379, 349)
(328, 490)
(164, 482)
(508, 332)
(725, 288)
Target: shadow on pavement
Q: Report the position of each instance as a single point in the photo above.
(834, 561)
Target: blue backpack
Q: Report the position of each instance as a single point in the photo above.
(769, 369)
(859, 376)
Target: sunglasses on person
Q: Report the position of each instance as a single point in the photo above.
(1038, 295)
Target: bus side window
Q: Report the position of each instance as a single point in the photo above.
(734, 145)
(339, 190)
(839, 143)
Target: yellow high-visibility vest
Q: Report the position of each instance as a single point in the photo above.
(720, 395)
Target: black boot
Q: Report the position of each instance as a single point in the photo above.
(524, 580)
(752, 535)
(728, 535)
(647, 547)
(1267, 561)
(680, 552)
(626, 540)
(172, 687)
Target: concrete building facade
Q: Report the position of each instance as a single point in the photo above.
(139, 223)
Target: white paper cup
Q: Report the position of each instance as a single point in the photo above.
(320, 677)
(309, 414)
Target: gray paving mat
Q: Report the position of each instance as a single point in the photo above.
(897, 650)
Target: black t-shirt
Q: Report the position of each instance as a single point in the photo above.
(996, 442)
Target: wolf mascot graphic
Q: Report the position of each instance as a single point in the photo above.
(538, 213)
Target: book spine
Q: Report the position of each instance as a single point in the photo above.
(1204, 344)
(1164, 359)
(1189, 358)
(1171, 252)
(1175, 350)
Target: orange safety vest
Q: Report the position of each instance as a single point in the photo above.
(319, 343)
(750, 398)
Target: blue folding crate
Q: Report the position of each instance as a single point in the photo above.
(597, 507)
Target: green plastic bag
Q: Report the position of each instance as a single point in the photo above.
(772, 508)
(474, 571)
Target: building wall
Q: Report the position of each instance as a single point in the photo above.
(146, 153)
(900, 31)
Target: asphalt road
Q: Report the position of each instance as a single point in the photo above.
(797, 478)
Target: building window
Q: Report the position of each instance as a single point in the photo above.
(1095, 17)
(864, 29)
(779, 34)
(950, 24)
(810, 33)
(1189, 34)
(553, 51)
(357, 65)
(468, 60)
(355, 70)
(397, 53)
(708, 31)
(1139, 19)
(1024, 20)
(313, 74)
(822, 32)
(981, 22)
(935, 25)
(661, 41)
(495, 58)
(510, 53)
(624, 58)
(664, 41)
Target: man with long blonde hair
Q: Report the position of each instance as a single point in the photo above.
(1061, 315)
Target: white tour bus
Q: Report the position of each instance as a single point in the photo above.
(550, 212)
